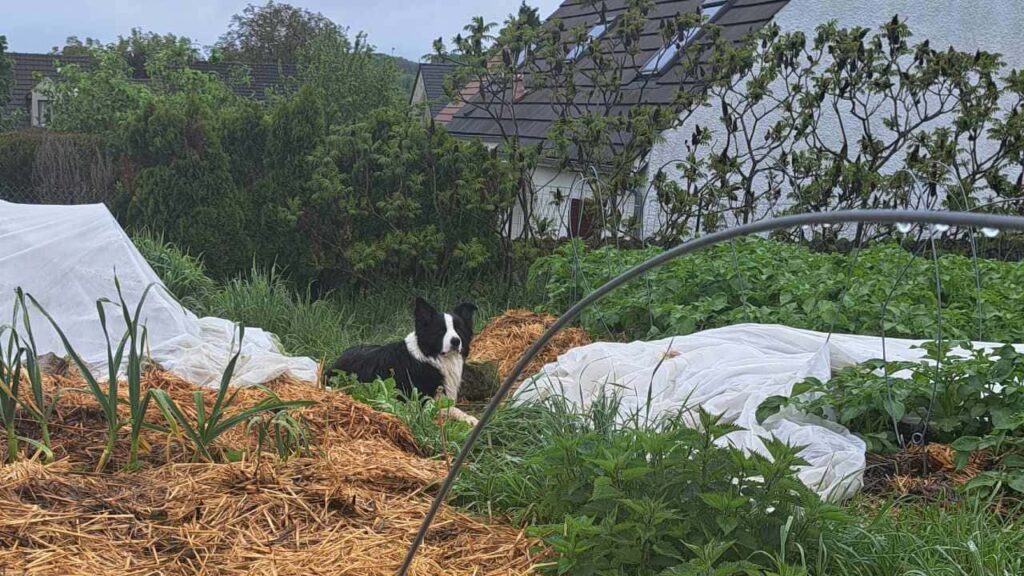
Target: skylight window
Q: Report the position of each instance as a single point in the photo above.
(709, 9)
(660, 60)
(596, 32)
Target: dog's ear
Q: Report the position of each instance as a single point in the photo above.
(424, 311)
(465, 311)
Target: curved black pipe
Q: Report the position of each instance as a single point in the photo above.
(961, 219)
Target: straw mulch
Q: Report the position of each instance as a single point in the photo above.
(506, 338)
(349, 507)
(927, 471)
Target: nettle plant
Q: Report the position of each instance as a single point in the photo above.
(638, 499)
(973, 403)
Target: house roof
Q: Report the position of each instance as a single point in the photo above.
(260, 76)
(27, 66)
(432, 76)
(532, 115)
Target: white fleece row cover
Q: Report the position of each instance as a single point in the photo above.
(67, 258)
(730, 371)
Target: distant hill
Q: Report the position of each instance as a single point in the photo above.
(407, 68)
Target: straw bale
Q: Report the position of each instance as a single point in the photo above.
(505, 339)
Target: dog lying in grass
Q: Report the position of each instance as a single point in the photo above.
(429, 360)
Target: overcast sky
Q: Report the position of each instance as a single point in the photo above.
(405, 27)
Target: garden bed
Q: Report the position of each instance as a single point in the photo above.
(350, 505)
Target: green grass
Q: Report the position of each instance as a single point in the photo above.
(183, 274)
(928, 539)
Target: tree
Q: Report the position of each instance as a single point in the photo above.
(847, 118)
(273, 32)
(842, 118)
(137, 49)
(6, 84)
(349, 77)
(581, 79)
(103, 95)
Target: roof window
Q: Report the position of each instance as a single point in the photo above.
(596, 32)
(711, 10)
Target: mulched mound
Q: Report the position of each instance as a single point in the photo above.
(350, 507)
(506, 338)
(927, 471)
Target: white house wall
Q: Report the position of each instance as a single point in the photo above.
(990, 25)
(552, 217)
(549, 184)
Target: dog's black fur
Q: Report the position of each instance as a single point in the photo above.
(419, 361)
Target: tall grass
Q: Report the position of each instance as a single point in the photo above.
(308, 324)
(182, 273)
(322, 327)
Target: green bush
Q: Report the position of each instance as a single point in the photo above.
(17, 159)
(392, 198)
(293, 128)
(629, 498)
(772, 282)
(184, 187)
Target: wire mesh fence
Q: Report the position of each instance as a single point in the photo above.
(27, 194)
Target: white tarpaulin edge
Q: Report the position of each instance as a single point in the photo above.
(67, 258)
(731, 371)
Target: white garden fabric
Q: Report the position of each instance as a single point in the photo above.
(67, 258)
(730, 371)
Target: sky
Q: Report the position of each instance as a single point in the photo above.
(405, 28)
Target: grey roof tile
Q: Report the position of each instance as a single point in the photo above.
(533, 115)
(258, 78)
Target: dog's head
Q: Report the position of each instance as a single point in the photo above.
(440, 334)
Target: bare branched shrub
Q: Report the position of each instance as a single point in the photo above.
(73, 169)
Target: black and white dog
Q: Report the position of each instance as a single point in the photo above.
(430, 359)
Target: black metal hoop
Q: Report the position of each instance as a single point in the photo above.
(960, 219)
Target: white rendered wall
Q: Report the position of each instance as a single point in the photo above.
(967, 25)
